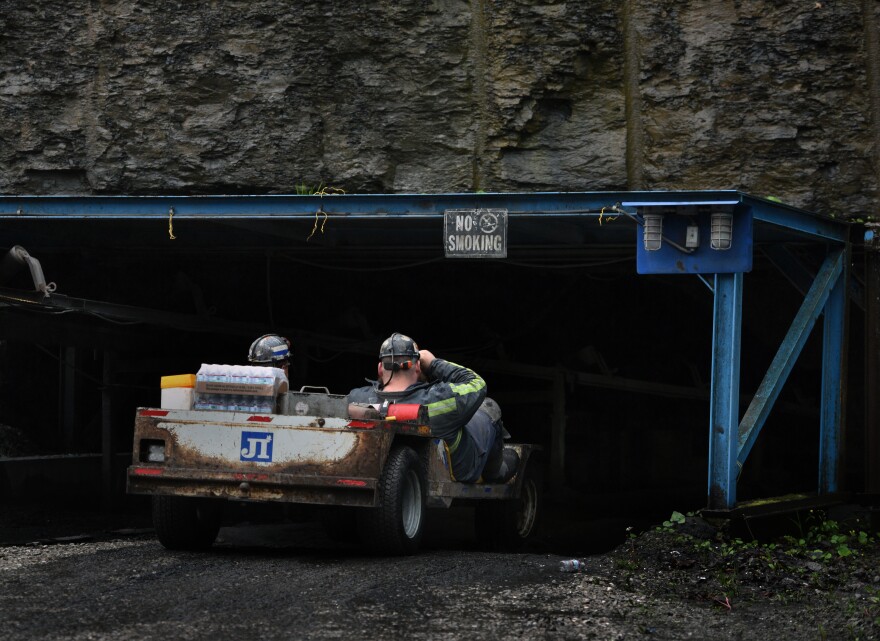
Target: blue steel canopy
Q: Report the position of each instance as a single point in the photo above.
(584, 220)
(422, 212)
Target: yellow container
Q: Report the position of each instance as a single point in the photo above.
(177, 391)
(179, 380)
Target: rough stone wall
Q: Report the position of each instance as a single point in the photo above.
(772, 97)
(767, 97)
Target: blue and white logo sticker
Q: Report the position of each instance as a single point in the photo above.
(256, 446)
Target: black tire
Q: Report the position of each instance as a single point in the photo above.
(509, 525)
(396, 524)
(184, 523)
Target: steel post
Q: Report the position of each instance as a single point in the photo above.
(724, 403)
(872, 359)
(833, 383)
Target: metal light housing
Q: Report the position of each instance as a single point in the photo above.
(653, 232)
(721, 234)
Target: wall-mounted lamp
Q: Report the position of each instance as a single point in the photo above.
(653, 231)
(721, 232)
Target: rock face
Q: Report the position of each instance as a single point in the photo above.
(774, 98)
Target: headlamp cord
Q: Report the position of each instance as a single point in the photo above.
(382, 385)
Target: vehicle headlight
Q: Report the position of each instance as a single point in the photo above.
(152, 451)
(156, 453)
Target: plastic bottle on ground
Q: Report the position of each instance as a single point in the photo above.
(572, 565)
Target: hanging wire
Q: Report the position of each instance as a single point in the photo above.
(323, 191)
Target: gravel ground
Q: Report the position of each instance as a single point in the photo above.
(687, 580)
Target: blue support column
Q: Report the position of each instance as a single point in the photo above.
(831, 426)
(724, 405)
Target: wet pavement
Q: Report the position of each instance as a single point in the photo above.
(78, 575)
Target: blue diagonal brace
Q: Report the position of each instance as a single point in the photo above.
(813, 305)
(724, 402)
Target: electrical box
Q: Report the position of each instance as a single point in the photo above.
(693, 238)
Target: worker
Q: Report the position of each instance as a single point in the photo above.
(458, 410)
(270, 350)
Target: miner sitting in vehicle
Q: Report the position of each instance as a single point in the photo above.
(458, 410)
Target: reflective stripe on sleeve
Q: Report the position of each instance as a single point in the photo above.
(441, 407)
(463, 389)
(454, 446)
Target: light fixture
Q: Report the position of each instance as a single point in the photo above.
(721, 235)
(152, 451)
(653, 231)
(156, 453)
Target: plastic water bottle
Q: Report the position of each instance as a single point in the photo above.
(216, 374)
(263, 375)
(199, 400)
(219, 374)
(572, 565)
(249, 378)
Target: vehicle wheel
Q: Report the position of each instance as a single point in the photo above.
(509, 525)
(184, 523)
(395, 525)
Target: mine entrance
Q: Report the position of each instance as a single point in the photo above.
(610, 370)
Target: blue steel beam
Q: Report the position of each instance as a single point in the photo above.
(833, 386)
(790, 218)
(724, 402)
(372, 206)
(769, 389)
(348, 205)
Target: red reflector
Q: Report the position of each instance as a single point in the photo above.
(154, 412)
(363, 424)
(351, 482)
(260, 419)
(147, 471)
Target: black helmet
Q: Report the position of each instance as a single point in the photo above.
(270, 350)
(397, 352)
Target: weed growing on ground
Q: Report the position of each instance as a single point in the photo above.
(822, 559)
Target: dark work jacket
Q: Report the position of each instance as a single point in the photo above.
(452, 395)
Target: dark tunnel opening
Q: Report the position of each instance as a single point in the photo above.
(627, 355)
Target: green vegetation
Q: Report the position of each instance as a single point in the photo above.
(820, 564)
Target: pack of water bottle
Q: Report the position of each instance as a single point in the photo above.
(241, 388)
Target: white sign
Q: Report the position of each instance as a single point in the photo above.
(475, 233)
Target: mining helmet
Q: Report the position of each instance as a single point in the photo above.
(398, 352)
(270, 350)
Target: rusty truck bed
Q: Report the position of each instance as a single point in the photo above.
(262, 457)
